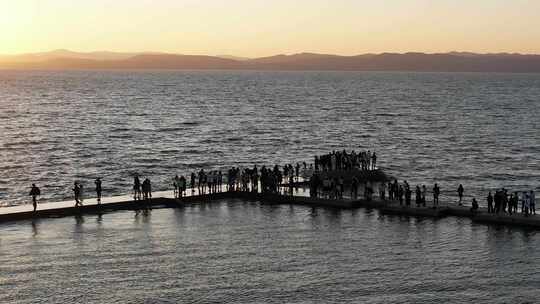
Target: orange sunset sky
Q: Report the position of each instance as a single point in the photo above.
(266, 27)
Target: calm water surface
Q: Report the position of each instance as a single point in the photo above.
(56, 127)
(247, 252)
(477, 129)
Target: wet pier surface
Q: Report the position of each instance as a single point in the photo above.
(166, 199)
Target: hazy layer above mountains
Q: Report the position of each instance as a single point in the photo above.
(449, 62)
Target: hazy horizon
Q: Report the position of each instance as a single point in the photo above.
(258, 28)
(97, 51)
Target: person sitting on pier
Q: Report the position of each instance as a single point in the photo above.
(34, 193)
(490, 202)
(97, 182)
(474, 207)
(436, 192)
(460, 194)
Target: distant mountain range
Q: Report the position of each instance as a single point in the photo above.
(443, 62)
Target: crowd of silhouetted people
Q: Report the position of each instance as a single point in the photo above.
(502, 202)
(343, 160)
(330, 178)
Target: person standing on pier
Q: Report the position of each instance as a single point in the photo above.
(408, 194)
(192, 182)
(532, 203)
(436, 192)
(424, 192)
(418, 196)
(490, 202)
(97, 182)
(460, 191)
(354, 188)
(175, 185)
(373, 160)
(400, 194)
(147, 189)
(136, 188)
(34, 193)
(527, 204)
(77, 193)
(182, 186)
(382, 191)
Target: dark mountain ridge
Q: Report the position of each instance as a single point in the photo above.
(441, 62)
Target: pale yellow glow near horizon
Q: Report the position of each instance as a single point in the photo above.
(261, 27)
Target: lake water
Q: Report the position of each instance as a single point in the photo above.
(247, 252)
(477, 129)
(480, 130)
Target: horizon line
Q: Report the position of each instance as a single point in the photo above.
(275, 54)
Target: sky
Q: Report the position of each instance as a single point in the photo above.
(255, 28)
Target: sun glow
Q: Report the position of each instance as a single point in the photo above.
(16, 21)
(260, 27)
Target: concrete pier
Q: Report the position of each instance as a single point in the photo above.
(166, 200)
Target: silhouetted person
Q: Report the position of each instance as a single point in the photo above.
(136, 188)
(354, 187)
(527, 205)
(490, 203)
(77, 193)
(424, 192)
(147, 189)
(34, 193)
(408, 194)
(460, 194)
(373, 161)
(532, 199)
(515, 202)
(436, 192)
(98, 189)
(176, 181)
(192, 182)
(400, 194)
(511, 203)
(182, 186)
(418, 196)
(474, 207)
